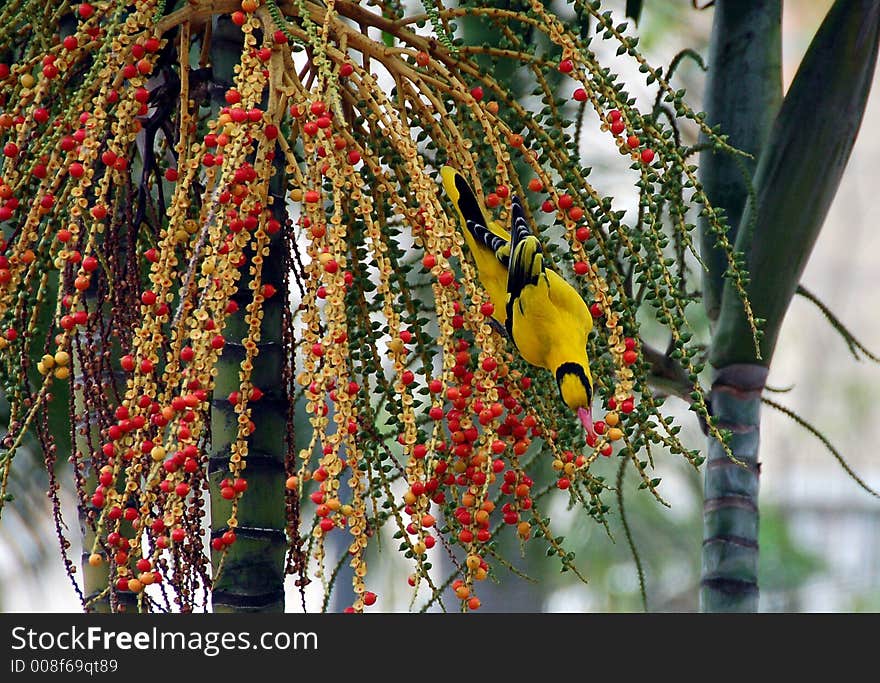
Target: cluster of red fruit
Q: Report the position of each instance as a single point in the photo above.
(614, 118)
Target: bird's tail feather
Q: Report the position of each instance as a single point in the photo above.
(526, 259)
(519, 228)
(468, 205)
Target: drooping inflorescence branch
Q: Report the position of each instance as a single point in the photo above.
(133, 212)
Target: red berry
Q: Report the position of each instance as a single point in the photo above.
(477, 93)
(369, 598)
(647, 155)
(582, 234)
(580, 95)
(566, 66)
(617, 127)
(613, 115)
(633, 141)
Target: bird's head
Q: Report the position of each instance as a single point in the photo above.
(576, 387)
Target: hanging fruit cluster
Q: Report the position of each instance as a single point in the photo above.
(162, 204)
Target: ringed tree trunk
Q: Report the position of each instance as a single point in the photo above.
(797, 175)
(745, 58)
(253, 569)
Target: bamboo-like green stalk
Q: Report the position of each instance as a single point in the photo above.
(796, 178)
(730, 496)
(743, 94)
(252, 576)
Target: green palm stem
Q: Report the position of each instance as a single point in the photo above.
(796, 178)
(252, 575)
(743, 94)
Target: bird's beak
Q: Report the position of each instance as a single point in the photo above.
(586, 417)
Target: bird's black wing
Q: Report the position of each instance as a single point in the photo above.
(474, 221)
(526, 260)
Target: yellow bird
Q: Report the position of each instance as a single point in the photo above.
(545, 317)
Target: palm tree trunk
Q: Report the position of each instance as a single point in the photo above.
(798, 171)
(252, 576)
(743, 94)
(730, 502)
